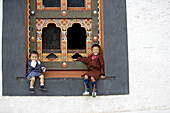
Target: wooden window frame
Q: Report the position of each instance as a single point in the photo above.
(79, 14)
(63, 6)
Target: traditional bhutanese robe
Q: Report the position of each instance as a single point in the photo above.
(95, 66)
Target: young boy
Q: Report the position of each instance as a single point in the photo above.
(95, 65)
(34, 70)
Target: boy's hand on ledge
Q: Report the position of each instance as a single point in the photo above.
(43, 69)
(74, 59)
(102, 77)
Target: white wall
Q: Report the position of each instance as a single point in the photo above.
(149, 70)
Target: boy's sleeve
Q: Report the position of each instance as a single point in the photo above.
(102, 71)
(29, 68)
(83, 59)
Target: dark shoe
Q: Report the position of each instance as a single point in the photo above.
(31, 90)
(42, 88)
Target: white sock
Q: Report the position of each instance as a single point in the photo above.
(41, 84)
(31, 86)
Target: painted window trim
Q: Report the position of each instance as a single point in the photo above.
(74, 14)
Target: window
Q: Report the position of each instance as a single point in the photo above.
(50, 38)
(76, 3)
(51, 3)
(76, 37)
(64, 4)
(68, 29)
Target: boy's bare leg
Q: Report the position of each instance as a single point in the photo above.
(92, 79)
(32, 85)
(42, 83)
(41, 79)
(86, 77)
(32, 82)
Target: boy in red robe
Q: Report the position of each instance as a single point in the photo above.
(95, 65)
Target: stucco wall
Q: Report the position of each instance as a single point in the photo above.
(149, 69)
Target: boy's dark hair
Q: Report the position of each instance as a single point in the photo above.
(96, 45)
(33, 52)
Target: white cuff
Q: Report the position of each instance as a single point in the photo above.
(38, 62)
(44, 69)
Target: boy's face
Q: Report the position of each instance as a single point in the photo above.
(95, 51)
(34, 57)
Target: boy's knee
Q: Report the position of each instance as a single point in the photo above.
(92, 79)
(33, 79)
(41, 76)
(86, 77)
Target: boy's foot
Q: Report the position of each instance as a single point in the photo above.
(94, 93)
(31, 90)
(86, 93)
(42, 88)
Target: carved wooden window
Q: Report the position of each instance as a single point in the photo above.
(58, 29)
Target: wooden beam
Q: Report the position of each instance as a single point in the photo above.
(57, 14)
(70, 66)
(32, 24)
(95, 19)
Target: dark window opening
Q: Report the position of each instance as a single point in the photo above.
(76, 37)
(76, 55)
(50, 38)
(76, 3)
(51, 3)
(51, 55)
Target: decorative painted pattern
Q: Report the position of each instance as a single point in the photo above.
(88, 4)
(64, 24)
(99, 22)
(28, 28)
(39, 4)
(63, 4)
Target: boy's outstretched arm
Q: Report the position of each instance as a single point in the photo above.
(74, 59)
(82, 59)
